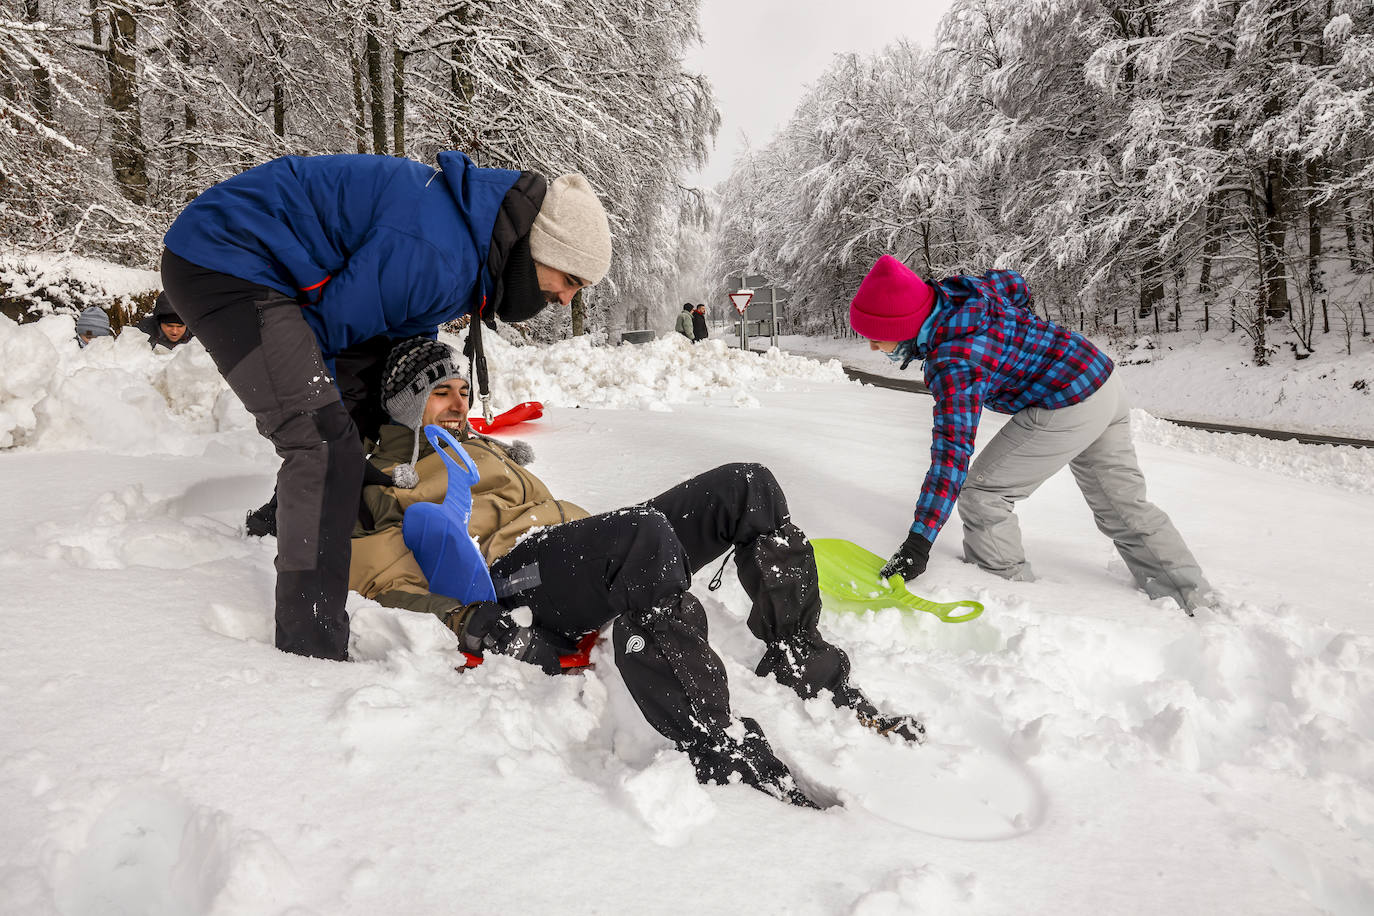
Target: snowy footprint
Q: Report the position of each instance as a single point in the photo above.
(126, 528)
(150, 850)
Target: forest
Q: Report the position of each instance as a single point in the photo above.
(1149, 166)
(114, 114)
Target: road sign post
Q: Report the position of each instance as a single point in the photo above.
(740, 300)
(773, 301)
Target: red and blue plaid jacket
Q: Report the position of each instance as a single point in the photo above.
(983, 347)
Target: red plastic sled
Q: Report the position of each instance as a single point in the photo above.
(529, 410)
(579, 658)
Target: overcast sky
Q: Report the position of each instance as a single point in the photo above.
(760, 56)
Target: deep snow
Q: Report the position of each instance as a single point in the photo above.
(159, 756)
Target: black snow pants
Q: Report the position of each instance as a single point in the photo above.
(634, 566)
(269, 356)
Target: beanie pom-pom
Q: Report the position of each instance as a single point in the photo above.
(405, 476)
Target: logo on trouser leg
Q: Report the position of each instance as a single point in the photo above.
(634, 644)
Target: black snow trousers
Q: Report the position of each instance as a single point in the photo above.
(634, 566)
(269, 356)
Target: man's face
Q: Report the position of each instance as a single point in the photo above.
(557, 286)
(885, 346)
(173, 330)
(447, 405)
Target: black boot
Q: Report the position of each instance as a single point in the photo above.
(262, 521)
(808, 664)
(720, 759)
(908, 728)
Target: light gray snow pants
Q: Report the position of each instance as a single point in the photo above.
(1093, 438)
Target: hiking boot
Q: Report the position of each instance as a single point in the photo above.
(720, 759)
(809, 664)
(908, 728)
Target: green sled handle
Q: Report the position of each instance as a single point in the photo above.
(853, 576)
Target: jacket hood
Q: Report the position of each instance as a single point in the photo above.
(163, 308)
(395, 442)
(478, 194)
(953, 296)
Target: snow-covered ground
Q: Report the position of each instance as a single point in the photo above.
(160, 757)
(1191, 376)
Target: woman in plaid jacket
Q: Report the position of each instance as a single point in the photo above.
(982, 346)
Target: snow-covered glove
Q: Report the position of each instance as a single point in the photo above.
(487, 627)
(910, 559)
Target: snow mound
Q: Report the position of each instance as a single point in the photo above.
(117, 395)
(652, 376)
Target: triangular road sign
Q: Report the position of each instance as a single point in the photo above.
(741, 299)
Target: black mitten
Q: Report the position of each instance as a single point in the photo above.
(910, 559)
(487, 627)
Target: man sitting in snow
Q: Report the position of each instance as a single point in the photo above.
(633, 566)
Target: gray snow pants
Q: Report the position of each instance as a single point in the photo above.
(1093, 438)
(269, 356)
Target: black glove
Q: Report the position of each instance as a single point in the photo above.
(910, 559)
(488, 627)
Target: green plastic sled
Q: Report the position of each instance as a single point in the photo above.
(853, 577)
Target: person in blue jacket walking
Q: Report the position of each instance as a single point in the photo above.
(284, 267)
(982, 346)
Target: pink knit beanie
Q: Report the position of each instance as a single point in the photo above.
(892, 302)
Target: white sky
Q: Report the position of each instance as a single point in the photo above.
(761, 54)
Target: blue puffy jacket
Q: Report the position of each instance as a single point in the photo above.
(372, 244)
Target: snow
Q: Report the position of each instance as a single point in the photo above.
(1193, 376)
(160, 757)
(25, 272)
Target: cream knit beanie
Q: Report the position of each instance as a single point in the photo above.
(571, 232)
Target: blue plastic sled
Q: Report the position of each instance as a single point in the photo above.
(437, 533)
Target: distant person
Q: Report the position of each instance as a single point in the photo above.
(92, 323)
(164, 326)
(699, 329)
(285, 267)
(684, 321)
(983, 347)
(633, 566)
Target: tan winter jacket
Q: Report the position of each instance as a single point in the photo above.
(507, 501)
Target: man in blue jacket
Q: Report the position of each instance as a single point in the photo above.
(286, 266)
(982, 346)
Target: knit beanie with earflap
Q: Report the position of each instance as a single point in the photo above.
(414, 368)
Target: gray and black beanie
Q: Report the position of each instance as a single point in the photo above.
(414, 368)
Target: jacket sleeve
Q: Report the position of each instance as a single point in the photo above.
(394, 284)
(958, 388)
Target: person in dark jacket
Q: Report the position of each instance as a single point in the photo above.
(164, 326)
(283, 268)
(633, 567)
(699, 328)
(982, 346)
